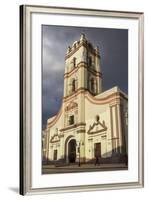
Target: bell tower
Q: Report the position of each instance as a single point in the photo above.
(82, 68)
(82, 74)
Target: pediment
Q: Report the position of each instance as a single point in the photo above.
(97, 126)
(55, 138)
(71, 105)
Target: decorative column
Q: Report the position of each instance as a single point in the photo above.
(62, 146)
(114, 129)
(98, 69)
(118, 110)
(47, 144)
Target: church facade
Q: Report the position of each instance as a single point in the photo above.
(90, 121)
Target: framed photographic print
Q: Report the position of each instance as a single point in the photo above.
(81, 99)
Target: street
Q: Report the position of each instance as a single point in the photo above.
(50, 169)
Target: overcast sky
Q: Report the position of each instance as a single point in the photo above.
(113, 46)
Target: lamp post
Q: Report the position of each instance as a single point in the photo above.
(79, 143)
(79, 154)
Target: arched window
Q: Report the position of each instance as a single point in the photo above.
(89, 61)
(92, 85)
(74, 62)
(73, 85)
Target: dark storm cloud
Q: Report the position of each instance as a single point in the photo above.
(113, 46)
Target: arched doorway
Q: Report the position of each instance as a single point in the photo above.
(72, 151)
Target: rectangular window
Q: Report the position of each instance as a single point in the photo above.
(71, 120)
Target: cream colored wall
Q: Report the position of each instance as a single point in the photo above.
(125, 113)
(61, 123)
(87, 113)
(91, 111)
(51, 132)
(80, 56)
(82, 74)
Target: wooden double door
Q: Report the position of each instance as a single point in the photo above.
(72, 151)
(97, 149)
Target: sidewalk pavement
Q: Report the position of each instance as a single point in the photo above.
(83, 168)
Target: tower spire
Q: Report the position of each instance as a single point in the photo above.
(82, 37)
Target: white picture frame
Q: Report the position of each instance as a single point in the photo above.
(31, 179)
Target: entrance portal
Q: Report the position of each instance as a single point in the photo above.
(72, 151)
(97, 147)
(55, 154)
